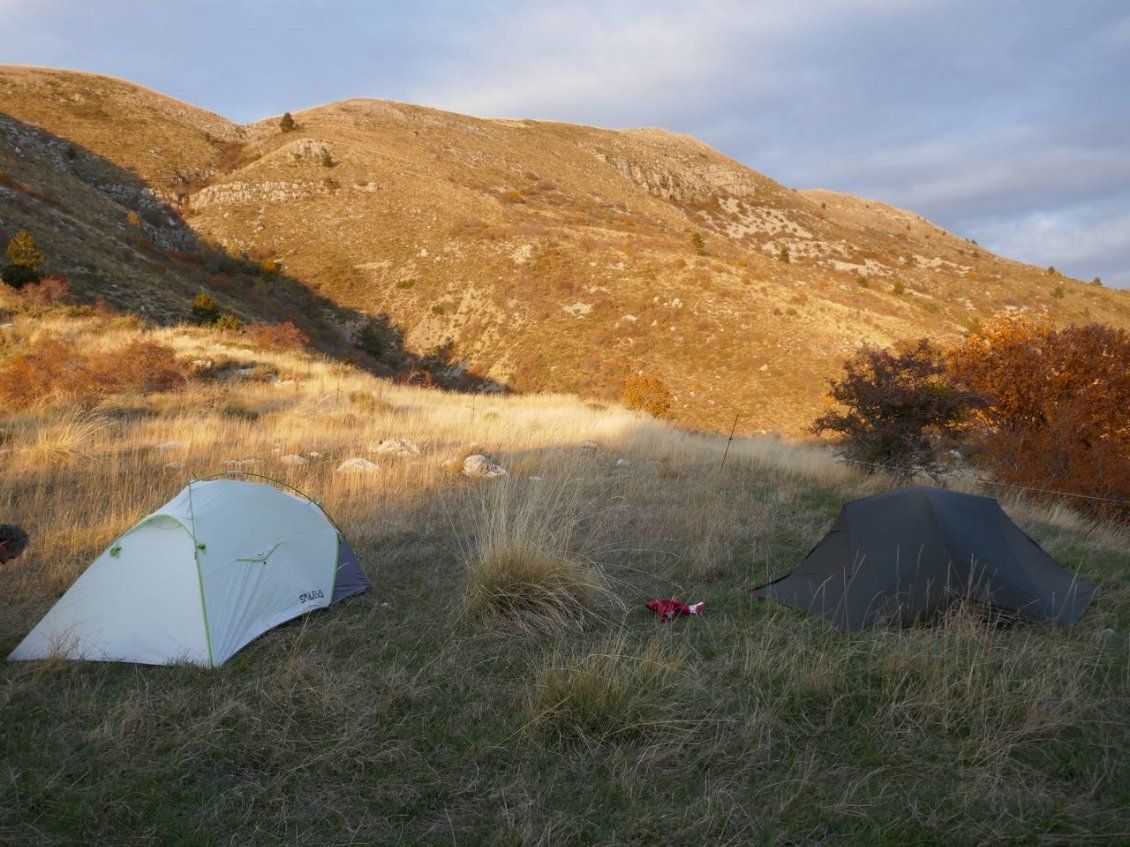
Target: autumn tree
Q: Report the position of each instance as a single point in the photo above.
(895, 406)
(1057, 415)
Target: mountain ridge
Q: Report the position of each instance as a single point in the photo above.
(551, 256)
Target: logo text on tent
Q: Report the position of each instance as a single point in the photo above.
(316, 594)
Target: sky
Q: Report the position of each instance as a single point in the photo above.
(1003, 121)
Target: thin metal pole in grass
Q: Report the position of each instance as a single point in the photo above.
(733, 429)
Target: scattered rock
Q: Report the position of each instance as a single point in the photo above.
(293, 459)
(240, 463)
(479, 466)
(396, 447)
(357, 464)
(622, 463)
(171, 445)
(588, 445)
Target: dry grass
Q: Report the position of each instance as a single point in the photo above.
(532, 589)
(612, 692)
(560, 711)
(523, 568)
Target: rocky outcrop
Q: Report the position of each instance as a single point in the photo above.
(233, 193)
(680, 170)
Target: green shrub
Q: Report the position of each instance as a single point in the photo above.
(18, 276)
(371, 340)
(229, 322)
(288, 124)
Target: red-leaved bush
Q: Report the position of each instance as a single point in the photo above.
(54, 370)
(49, 291)
(284, 336)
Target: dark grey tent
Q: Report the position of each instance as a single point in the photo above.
(904, 556)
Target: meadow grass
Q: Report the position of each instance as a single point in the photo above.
(502, 682)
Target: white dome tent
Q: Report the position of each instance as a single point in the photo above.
(214, 568)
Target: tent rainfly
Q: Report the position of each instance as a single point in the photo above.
(904, 556)
(214, 568)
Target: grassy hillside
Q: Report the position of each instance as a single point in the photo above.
(409, 713)
(555, 257)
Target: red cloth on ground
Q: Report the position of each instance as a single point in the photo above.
(668, 610)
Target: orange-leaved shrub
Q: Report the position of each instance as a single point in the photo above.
(50, 290)
(647, 393)
(55, 370)
(284, 336)
(1057, 415)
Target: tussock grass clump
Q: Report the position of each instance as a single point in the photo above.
(615, 692)
(67, 438)
(531, 588)
(523, 571)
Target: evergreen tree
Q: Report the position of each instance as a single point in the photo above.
(24, 260)
(23, 251)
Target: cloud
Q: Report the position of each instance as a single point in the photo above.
(1083, 241)
(631, 63)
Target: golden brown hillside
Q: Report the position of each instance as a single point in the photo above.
(555, 257)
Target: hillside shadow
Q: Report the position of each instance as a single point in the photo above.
(151, 232)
